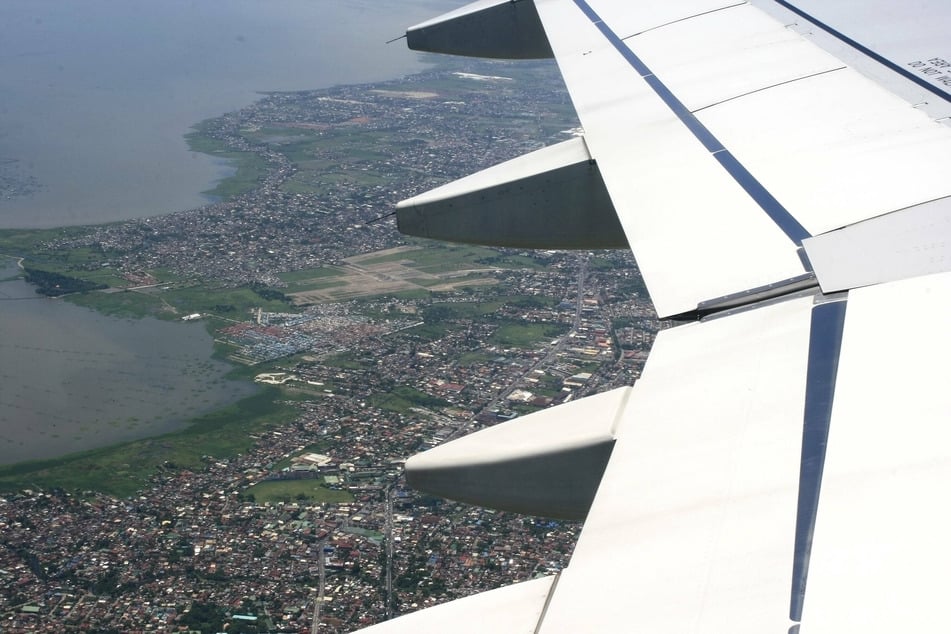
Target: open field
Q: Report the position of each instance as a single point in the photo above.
(309, 490)
(428, 268)
(518, 335)
(402, 399)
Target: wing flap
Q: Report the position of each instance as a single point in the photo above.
(835, 148)
(693, 527)
(880, 553)
(732, 52)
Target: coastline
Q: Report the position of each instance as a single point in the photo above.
(108, 253)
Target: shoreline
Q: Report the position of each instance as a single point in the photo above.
(108, 252)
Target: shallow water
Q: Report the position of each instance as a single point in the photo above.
(72, 379)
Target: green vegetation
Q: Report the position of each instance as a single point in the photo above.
(548, 385)
(204, 617)
(509, 261)
(174, 301)
(479, 309)
(372, 535)
(87, 268)
(522, 335)
(459, 310)
(474, 358)
(234, 302)
(270, 294)
(347, 361)
(250, 169)
(22, 242)
(56, 284)
(316, 286)
(403, 398)
(134, 304)
(430, 331)
(523, 409)
(123, 469)
(435, 257)
(308, 490)
(307, 275)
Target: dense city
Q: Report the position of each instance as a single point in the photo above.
(380, 352)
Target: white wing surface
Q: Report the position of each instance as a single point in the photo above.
(782, 463)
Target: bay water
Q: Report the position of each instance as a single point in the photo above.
(95, 99)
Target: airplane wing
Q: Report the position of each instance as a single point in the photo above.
(781, 464)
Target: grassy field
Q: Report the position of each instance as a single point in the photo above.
(123, 469)
(519, 335)
(22, 242)
(124, 304)
(312, 491)
(467, 359)
(429, 332)
(306, 275)
(462, 310)
(436, 256)
(347, 361)
(401, 399)
(175, 301)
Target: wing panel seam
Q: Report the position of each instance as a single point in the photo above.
(551, 594)
(764, 88)
(689, 17)
(781, 216)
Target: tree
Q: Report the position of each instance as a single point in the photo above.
(205, 617)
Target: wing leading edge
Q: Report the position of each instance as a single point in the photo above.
(779, 462)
